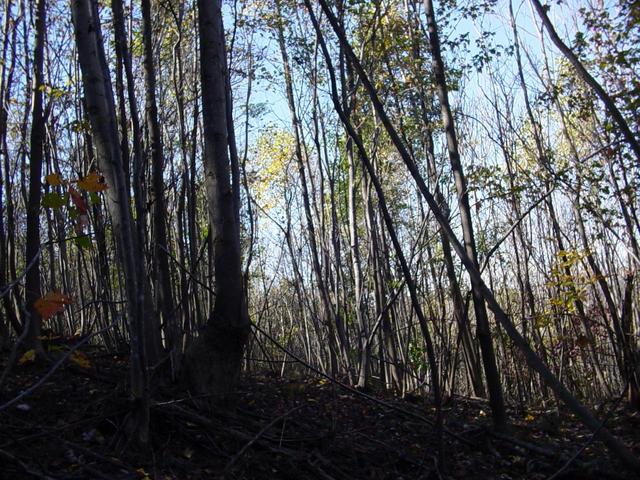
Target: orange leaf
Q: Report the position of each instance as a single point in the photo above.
(54, 179)
(51, 304)
(78, 200)
(93, 183)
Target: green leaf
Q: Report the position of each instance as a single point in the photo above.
(73, 213)
(83, 242)
(94, 198)
(54, 200)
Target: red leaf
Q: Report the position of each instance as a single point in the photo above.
(78, 200)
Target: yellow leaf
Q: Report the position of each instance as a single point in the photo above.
(80, 359)
(143, 474)
(93, 182)
(27, 357)
(54, 179)
(529, 418)
(187, 453)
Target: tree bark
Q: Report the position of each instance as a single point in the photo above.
(36, 147)
(101, 112)
(164, 304)
(213, 362)
(484, 331)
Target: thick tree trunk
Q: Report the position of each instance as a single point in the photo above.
(101, 112)
(213, 362)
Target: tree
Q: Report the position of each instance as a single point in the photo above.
(502, 318)
(484, 332)
(213, 362)
(582, 72)
(36, 148)
(164, 304)
(100, 109)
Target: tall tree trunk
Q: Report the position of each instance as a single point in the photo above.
(348, 101)
(7, 68)
(36, 147)
(330, 315)
(164, 305)
(101, 112)
(404, 265)
(460, 310)
(213, 362)
(484, 331)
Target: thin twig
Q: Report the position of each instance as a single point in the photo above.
(264, 430)
(19, 278)
(186, 270)
(32, 262)
(485, 262)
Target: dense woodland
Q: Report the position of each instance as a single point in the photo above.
(432, 201)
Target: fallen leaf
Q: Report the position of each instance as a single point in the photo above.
(27, 357)
(80, 359)
(144, 475)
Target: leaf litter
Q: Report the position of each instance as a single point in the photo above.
(281, 428)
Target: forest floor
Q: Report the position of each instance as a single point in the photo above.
(71, 427)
